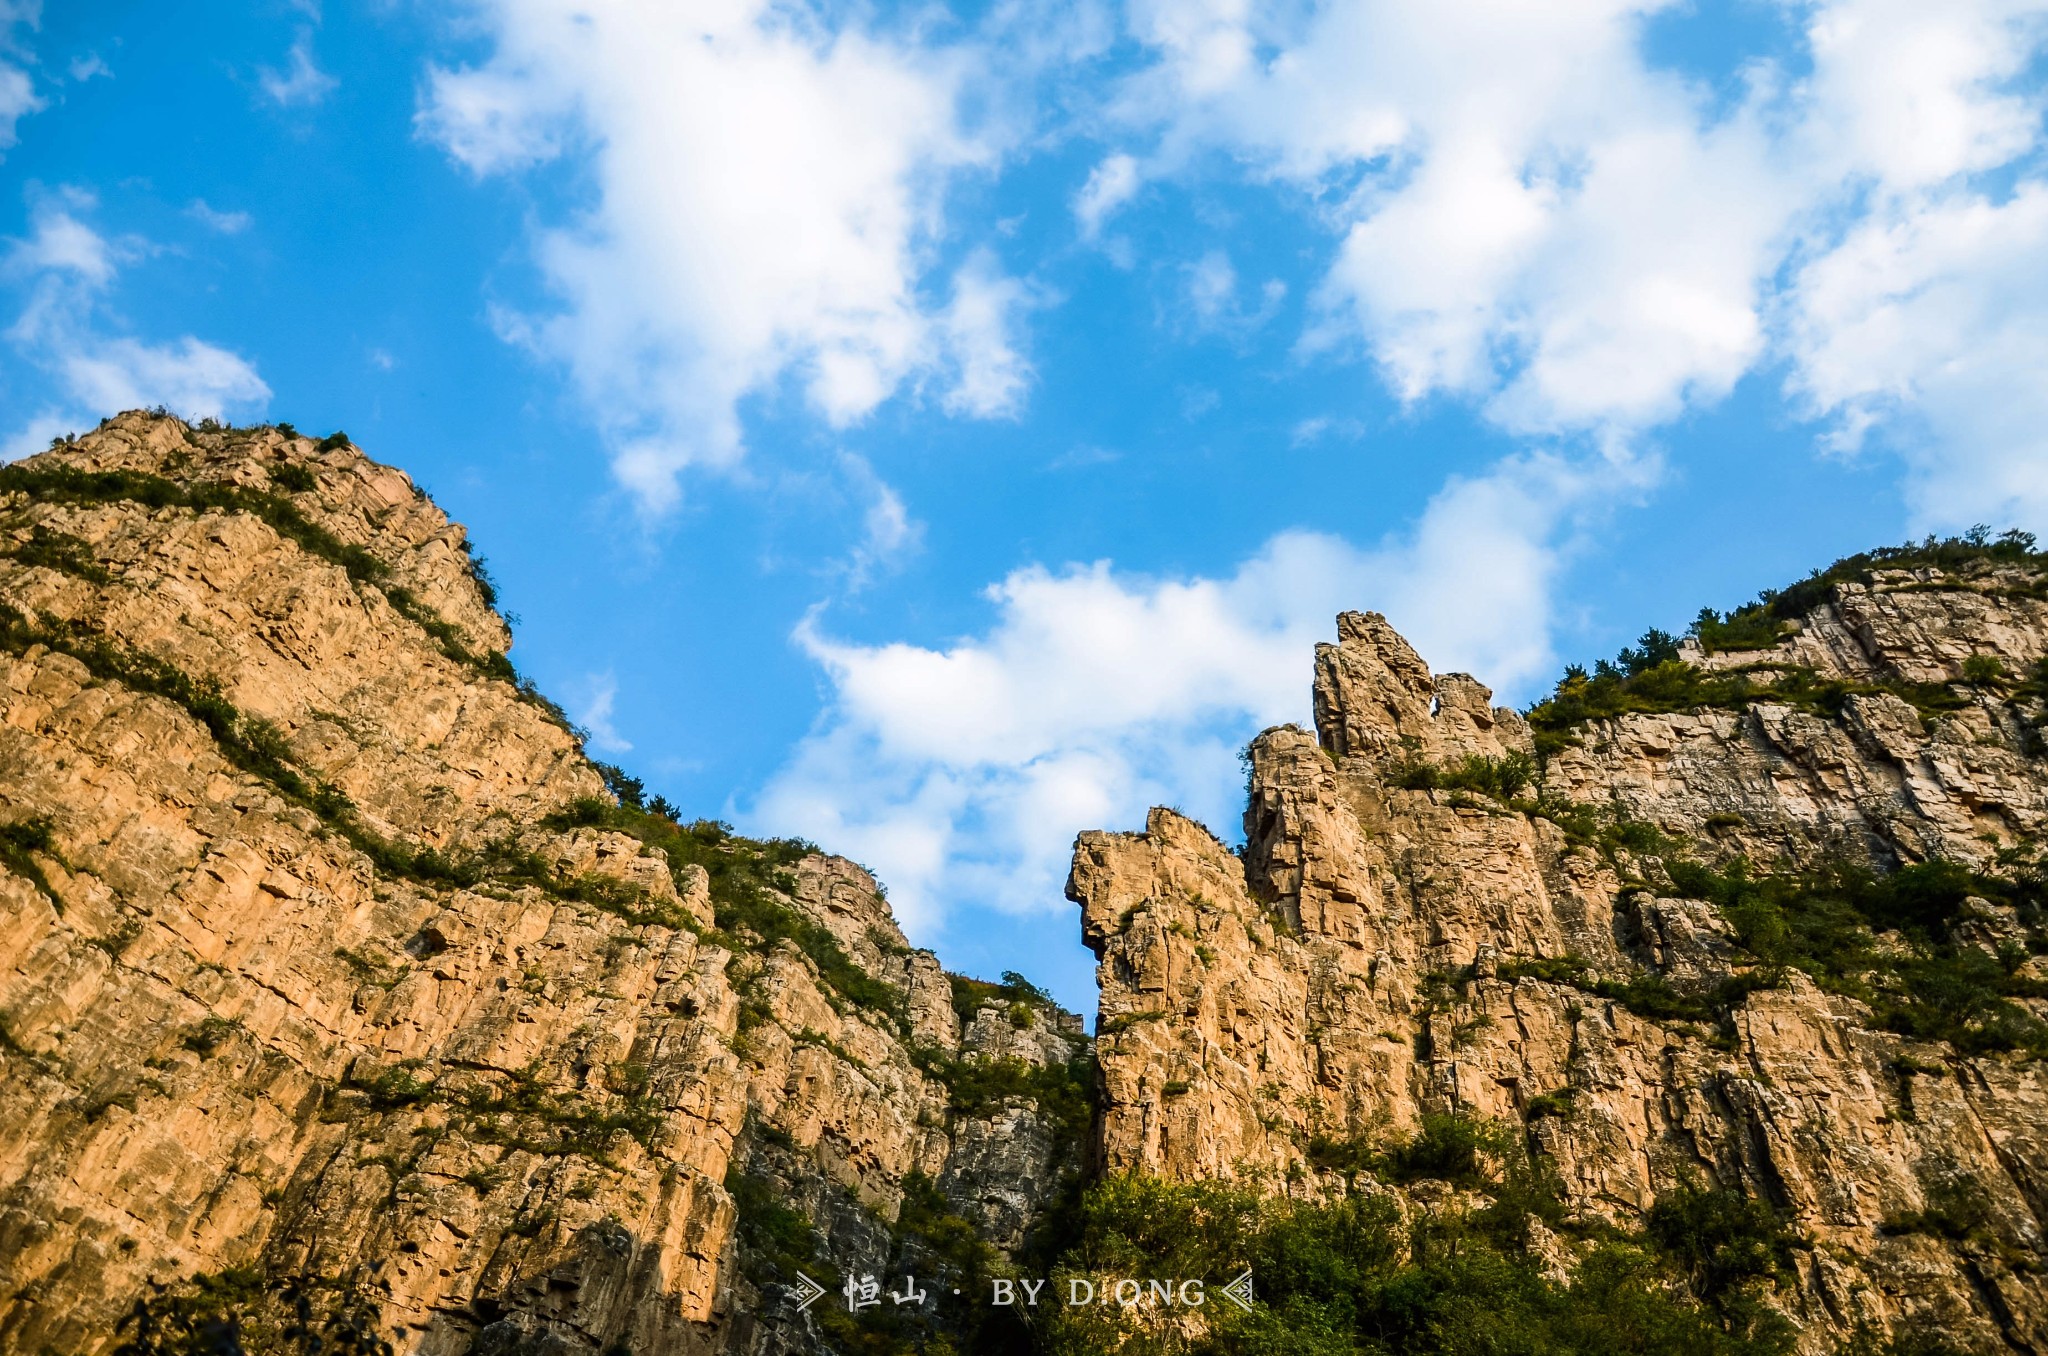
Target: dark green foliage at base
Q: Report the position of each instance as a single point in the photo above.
(928, 1241)
(1347, 1277)
(240, 1313)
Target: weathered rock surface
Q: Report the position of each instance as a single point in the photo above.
(244, 1028)
(1367, 958)
(324, 951)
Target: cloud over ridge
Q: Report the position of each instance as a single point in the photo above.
(768, 197)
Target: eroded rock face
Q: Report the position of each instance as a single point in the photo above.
(249, 1025)
(1376, 953)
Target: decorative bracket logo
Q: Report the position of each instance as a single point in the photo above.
(1239, 1291)
(808, 1291)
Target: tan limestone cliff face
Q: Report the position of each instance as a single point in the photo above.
(232, 1039)
(1354, 968)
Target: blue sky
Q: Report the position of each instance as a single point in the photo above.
(934, 431)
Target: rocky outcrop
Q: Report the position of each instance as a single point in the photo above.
(323, 951)
(1396, 938)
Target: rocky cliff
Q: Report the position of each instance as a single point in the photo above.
(1759, 912)
(1700, 1008)
(327, 959)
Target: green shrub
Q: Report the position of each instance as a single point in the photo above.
(1824, 921)
(1984, 670)
(1723, 1240)
(21, 843)
(1650, 677)
(1346, 1275)
(294, 478)
(1502, 778)
(62, 552)
(750, 882)
(1015, 992)
(978, 1086)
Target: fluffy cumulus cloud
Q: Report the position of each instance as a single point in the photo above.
(1923, 317)
(960, 773)
(18, 97)
(769, 188)
(1523, 210)
(1533, 216)
(64, 270)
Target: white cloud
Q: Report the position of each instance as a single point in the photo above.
(888, 532)
(1932, 322)
(1924, 318)
(594, 713)
(18, 97)
(769, 192)
(980, 329)
(493, 120)
(89, 67)
(226, 223)
(1213, 296)
(64, 270)
(1533, 218)
(1111, 184)
(301, 82)
(188, 375)
(36, 435)
(962, 772)
(1315, 428)
(1212, 286)
(1546, 223)
(62, 244)
(1912, 94)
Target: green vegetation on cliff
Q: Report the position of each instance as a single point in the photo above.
(1650, 677)
(1492, 1267)
(43, 482)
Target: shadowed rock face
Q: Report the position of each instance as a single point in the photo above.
(1368, 957)
(252, 1022)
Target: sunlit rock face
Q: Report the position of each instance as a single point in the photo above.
(1428, 917)
(325, 952)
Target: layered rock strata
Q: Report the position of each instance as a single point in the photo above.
(323, 951)
(1374, 954)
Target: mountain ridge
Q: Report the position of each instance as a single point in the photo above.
(1697, 1008)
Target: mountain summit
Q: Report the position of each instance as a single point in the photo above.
(1702, 1007)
